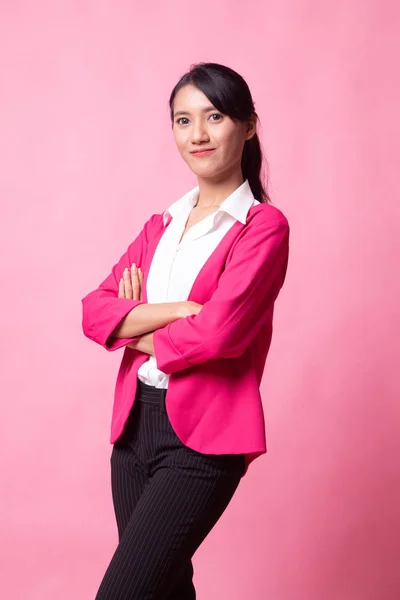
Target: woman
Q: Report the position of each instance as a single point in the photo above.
(191, 301)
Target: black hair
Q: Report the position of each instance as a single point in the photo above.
(230, 94)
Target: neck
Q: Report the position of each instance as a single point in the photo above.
(213, 192)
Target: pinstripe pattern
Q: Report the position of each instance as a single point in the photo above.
(167, 498)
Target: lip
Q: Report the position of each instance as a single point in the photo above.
(202, 152)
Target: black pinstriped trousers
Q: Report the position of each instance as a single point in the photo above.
(167, 498)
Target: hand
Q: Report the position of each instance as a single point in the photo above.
(130, 285)
(188, 307)
(144, 343)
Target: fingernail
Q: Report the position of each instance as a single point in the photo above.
(134, 266)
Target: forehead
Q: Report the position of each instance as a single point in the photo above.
(190, 98)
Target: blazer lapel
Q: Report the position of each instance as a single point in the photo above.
(207, 278)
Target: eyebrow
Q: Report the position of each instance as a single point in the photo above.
(185, 112)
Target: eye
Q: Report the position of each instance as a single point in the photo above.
(212, 115)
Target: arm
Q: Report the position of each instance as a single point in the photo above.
(102, 310)
(145, 318)
(233, 316)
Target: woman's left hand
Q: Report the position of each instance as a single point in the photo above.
(130, 286)
(144, 343)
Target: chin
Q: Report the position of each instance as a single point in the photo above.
(206, 174)
(206, 171)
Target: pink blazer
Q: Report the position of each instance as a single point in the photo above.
(215, 358)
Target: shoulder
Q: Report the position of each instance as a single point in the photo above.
(266, 215)
(154, 219)
(153, 223)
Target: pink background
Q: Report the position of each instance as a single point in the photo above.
(87, 155)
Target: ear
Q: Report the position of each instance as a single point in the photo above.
(251, 126)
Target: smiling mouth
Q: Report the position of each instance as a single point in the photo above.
(202, 152)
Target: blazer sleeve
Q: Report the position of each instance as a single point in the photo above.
(102, 310)
(232, 317)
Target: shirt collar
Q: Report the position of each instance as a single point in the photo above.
(237, 204)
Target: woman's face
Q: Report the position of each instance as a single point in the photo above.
(199, 125)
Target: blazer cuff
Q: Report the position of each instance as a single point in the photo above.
(112, 344)
(168, 357)
(102, 326)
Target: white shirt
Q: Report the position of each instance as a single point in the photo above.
(175, 265)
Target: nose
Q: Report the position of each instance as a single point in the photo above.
(199, 132)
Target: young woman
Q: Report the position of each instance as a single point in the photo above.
(191, 301)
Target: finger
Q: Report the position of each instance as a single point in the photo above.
(141, 283)
(127, 283)
(121, 288)
(135, 282)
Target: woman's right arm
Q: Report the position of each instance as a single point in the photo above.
(147, 317)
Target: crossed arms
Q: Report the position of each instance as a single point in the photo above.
(226, 324)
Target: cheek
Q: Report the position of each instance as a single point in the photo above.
(181, 143)
(231, 150)
(229, 140)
